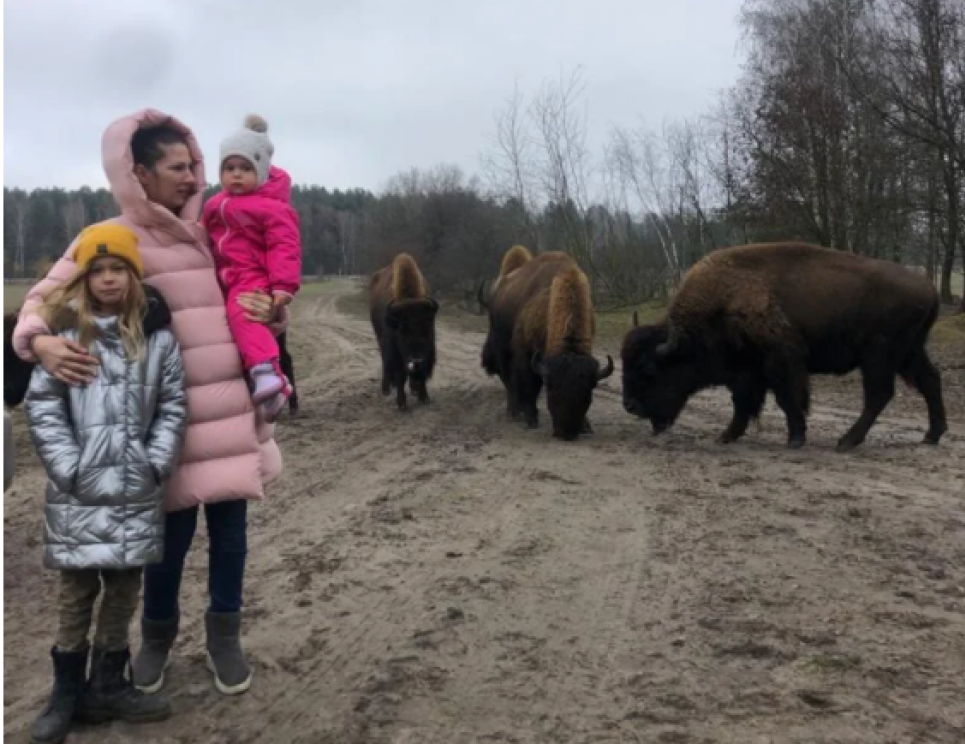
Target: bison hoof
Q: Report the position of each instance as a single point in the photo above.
(846, 445)
(587, 427)
(931, 438)
(795, 442)
(727, 437)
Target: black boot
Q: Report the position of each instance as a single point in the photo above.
(70, 670)
(111, 696)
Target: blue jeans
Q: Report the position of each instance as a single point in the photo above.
(228, 547)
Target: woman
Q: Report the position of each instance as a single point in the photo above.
(156, 174)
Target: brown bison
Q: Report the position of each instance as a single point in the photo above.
(403, 317)
(541, 329)
(763, 318)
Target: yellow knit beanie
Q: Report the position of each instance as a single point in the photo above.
(102, 240)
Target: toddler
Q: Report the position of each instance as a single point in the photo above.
(255, 239)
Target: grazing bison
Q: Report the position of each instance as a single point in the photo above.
(541, 329)
(285, 362)
(403, 317)
(765, 317)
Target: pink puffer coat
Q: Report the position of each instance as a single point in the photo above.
(228, 452)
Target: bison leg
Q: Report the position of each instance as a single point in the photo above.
(504, 368)
(527, 385)
(586, 427)
(789, 381)
(748, 394)
(879, 388)
(398, 380)
(418, 388)
(921, 373)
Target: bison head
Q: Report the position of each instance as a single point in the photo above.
(569, 379)
(413, 322)
(658, 376)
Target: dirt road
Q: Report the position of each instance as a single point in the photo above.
(447, 576)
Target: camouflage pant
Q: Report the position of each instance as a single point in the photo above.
(78, 592)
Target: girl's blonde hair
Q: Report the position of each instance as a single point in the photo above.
(72, 306)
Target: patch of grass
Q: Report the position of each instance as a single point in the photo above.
(949, 330)
(328, 286)
(356, 305)
(612, 325)
(13, 295)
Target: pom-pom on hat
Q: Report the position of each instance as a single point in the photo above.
(251, 143)
(108, 239)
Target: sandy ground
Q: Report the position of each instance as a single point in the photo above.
(447, 576)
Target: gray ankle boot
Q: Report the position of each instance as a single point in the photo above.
(157, 637)
(226, 660)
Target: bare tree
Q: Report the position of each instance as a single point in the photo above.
(510, 164)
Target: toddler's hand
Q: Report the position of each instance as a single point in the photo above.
(280, 299)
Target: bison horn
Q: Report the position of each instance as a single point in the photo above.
(673, 340)
(636, 319)
(433, 304)
(606, 371)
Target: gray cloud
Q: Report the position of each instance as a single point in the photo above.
(354, 91)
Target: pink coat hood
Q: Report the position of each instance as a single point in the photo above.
(228, 452)
(255, 237)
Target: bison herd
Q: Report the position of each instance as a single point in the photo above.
(754, 319)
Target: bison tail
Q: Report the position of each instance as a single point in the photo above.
(407, 281)
(515, 257)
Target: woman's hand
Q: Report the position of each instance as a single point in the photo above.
(66, 360)
(258, 306)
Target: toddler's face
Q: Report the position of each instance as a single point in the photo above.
(238, 175)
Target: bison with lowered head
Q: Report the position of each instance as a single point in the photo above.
(764, 317)
(403, 317)
(541, 329)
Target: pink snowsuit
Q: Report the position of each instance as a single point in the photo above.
(256, 245)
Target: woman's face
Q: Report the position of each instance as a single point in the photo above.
(170, 182)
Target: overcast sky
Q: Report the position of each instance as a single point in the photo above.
(354, 90)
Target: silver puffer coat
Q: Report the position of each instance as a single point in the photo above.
(108, 448)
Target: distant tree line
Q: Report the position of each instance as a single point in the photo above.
(846, 128)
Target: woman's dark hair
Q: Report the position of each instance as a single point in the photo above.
(147, 145)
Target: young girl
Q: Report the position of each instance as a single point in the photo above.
(255, 237)
(108, 447)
